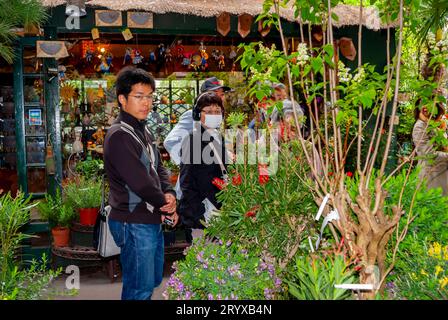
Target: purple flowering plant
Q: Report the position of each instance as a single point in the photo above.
(222, 271)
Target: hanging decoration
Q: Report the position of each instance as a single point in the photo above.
(127, 56)
(179, 50)
(67, 92)
(347, 48)
(221, 61)
(51, 49)
(263, 30)
(127, 34)
(95, 33)
(87, 49)
(108, 18)
(142, 20)
(244, 24)
(223, 23)
(137, 57)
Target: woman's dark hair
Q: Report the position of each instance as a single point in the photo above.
(129, 76)
(207, 99)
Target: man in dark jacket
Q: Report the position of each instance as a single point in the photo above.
(141, 196)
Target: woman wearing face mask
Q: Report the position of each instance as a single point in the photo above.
(203, 162)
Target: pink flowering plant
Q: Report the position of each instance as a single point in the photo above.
(222, 271)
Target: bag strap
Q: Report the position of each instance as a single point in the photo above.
(147, 149)
(103, 195)
(221, 164)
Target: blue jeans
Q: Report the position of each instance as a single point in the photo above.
(142, 251)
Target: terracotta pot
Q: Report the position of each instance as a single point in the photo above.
(61, 236)
(87, 216)
(173, 179)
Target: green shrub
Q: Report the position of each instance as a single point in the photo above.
(57, 212)
(217, 271)
(84, 193)
(17, 282)
(314, 278)
(426, 275)
(274, 212)
(90, 169)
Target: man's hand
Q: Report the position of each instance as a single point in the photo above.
(174, 217)
(170, 207)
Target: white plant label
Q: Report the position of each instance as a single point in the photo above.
(322, 206)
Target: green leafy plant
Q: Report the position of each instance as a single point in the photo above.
(314, 278)
(16, 281)
(84, 193)
(426, 276)
(272, 212)
(217, 271)
(57, 212)
(17, 13)
(90, 169)
(236, 119)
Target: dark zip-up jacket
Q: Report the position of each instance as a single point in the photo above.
(137, 184)
(196, 177)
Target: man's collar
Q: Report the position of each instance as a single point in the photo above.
(132, 121)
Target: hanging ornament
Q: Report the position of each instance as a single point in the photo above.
(152, 57)
(127, 34)
(168, 55)
(179, 50)
(347, 48)
(95, 33)
(127, 56)
(215, 54)
(244, 24)
(77, 145)
(223, 23)
(221, 62)
(67, 92)
(49, 160)
(232, 54)
(138, 58)
(263, 30)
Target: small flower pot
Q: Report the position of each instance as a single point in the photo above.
(87, 216)
(173, 179)
(61, 236)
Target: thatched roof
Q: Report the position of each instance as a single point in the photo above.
(348, 15)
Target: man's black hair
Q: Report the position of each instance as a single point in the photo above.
(129, 76)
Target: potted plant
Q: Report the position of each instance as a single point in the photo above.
(173, 169)
(85, 195)
(59, 215)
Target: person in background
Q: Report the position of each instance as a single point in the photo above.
(140, 195)
(184, 127)
(432, 159)
(203, 163)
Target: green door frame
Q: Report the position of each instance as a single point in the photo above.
(51, 95)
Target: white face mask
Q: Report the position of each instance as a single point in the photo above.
(213, 121)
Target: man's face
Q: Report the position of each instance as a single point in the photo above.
(220, 93)
(139, 101)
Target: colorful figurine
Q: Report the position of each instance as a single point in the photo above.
(127, 56)
(232, 54)
(89, 55)
(168, 55)
(152, 57)
(221, 62)
(138, 58)
(215, 54)
(179, 50)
